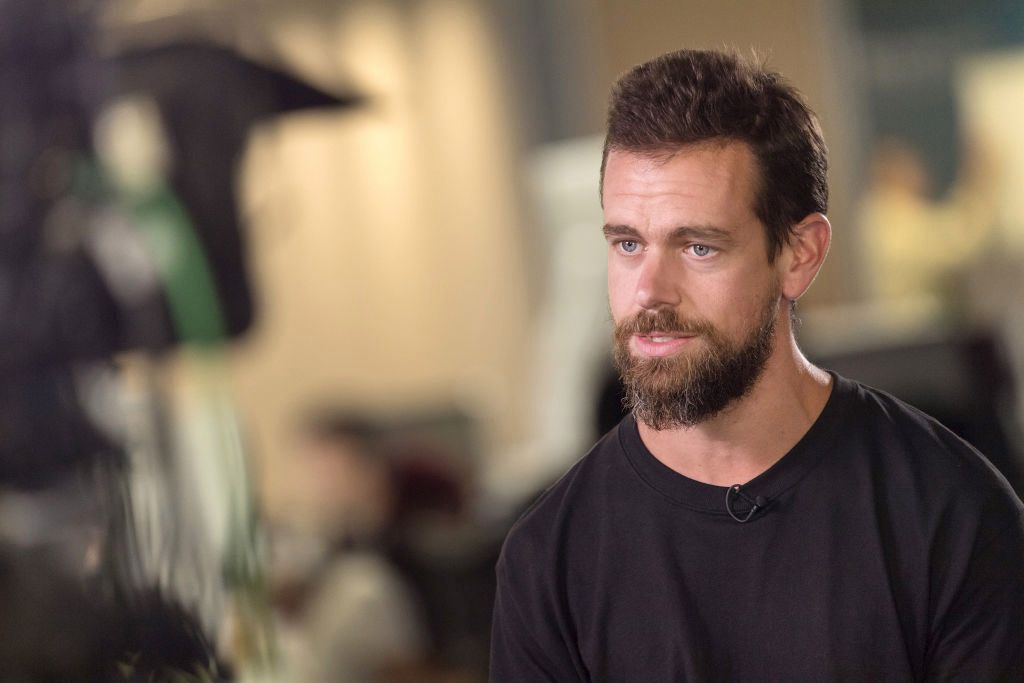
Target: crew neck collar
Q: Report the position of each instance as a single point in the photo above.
(770, 484)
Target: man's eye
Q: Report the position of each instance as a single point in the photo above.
(701, 250)
(629, 246)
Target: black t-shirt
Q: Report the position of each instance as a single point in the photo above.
(889, 550)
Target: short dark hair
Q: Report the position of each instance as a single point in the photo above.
(692, 96)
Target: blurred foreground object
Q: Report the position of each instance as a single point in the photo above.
(128, 526)
(208, 99)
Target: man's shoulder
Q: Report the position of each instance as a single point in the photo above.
(887, 420)
(915, 450)
(571, 498)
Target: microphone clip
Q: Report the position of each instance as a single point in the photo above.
(756, 503)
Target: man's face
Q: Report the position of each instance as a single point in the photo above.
(694, 298)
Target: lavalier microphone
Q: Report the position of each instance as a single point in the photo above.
(756, 503)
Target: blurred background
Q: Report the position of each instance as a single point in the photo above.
(302, 301)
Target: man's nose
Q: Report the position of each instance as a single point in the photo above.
(658, 283)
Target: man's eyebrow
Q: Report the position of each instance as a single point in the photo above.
(683, 232)
(620, 231)
(701, 232)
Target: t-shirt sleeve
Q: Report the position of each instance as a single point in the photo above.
(526, 647)
(980, 637)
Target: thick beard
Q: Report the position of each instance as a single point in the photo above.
(692, 386)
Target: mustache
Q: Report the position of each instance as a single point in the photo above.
(662, 320)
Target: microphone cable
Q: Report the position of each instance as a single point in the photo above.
(756, 503)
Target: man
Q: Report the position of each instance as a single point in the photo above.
(755, 517)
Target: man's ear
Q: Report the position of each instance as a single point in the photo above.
(803, 254)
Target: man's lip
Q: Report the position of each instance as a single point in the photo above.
(658, 344)
(659, 333)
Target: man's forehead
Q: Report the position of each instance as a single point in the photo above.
(714, 167)
(664, 154)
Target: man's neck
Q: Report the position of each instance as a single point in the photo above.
(753, 433)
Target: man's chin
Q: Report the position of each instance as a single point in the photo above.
(661, 381)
